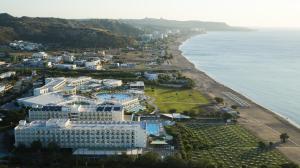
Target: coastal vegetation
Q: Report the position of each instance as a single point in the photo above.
(176, 100)
(150, 24)
(224, 145)
(67, 33)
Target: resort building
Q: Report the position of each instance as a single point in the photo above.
(65, 66)
(52, 85)
(129, 101)
(56, 91)
(82, 134)
(78, 81)
(112, 82)
(78, 112)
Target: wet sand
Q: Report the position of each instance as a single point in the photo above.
(260, 121)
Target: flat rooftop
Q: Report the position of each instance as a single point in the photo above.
(66, 123)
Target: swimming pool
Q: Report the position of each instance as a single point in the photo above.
(113, 97)
(152, 129)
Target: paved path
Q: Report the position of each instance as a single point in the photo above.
(151, 101)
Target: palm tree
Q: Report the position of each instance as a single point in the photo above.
(284, 137)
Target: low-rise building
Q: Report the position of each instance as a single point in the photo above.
(41, 55)
(55, 59)
(112, 82)
(52, 85)
(127, 65)
(68, 57)
(81, 134)
(94, 64)
(65, 66)
(75, 112)
(139, 85)
(5, 87)
(151, 76)
(7, 74)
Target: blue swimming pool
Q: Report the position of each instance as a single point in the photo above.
(118, 97)
(153, 129)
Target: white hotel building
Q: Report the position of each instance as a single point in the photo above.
(78, 112)
(82, 134)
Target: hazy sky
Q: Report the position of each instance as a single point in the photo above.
(253, 13)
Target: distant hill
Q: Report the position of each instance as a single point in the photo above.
(150, 24)
(87, 33)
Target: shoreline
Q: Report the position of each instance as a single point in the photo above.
(262, 122)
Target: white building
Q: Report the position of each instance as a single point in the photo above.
(55, 59)
(93, 65)
(52, 85)
(65, 66)
(41, 55)
(81, 134)
(67, 57)
(138, 85)
(78, 81)
(7, 74)
(78, 113)
(112, 82)
(151, 76)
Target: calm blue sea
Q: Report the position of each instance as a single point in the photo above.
(263, 65)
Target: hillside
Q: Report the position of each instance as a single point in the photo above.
(149, 24)
(67, 33)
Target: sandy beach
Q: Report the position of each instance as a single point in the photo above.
(260, 121)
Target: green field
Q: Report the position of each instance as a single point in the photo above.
(179, 99)
(226, 145)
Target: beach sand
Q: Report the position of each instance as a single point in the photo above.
(260, 121)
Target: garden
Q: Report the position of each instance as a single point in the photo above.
(226, 145)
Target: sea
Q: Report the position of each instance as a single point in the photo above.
(263, 65)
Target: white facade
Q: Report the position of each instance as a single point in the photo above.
(81, 134)
(151, 76)
(78, 113)
(65, 66)
(112, 82)
(67, 57)
(79, 81)
(138, 85)
(93, 65)
(52, 85)
(7, 74)
(41, 55)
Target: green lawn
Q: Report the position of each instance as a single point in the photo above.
(180, 99)
(227, 145)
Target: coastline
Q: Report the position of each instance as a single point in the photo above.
(262, 122)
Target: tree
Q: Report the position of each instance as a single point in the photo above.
(227, 116)
(284, 137)
(271, 144)
(174, 162)
(235, 107)
(289, 165)
(172, 111)
(36, 146)
(20, 148)
(261, 145)
(219, 100)
(149, 159)
(53, 147)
